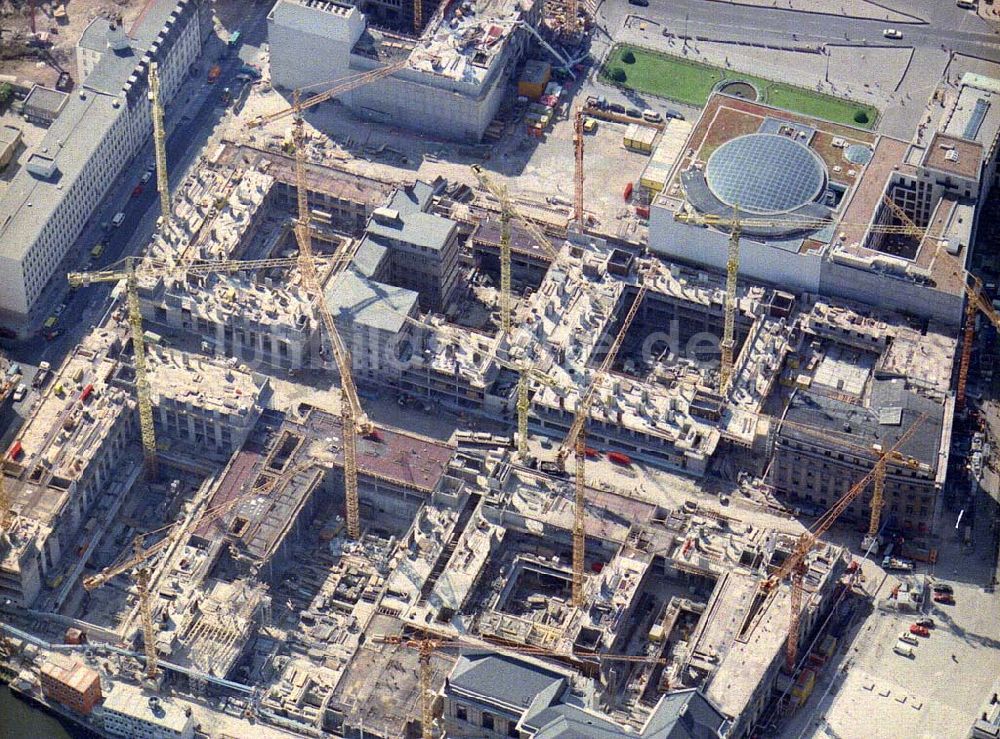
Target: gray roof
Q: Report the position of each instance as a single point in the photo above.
(369, 257)
(566, 721)
(518, 685)
(684, 714)
(417, 228)
(76, 133)
(45, 98)
(72, 138)
(300, 16)
(356, 300)
(892, 410)
(413, 198)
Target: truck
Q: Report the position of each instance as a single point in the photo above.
(213, 73)
(43, 373)
(894, 563)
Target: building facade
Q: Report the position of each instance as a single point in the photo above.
(104, 123)
(70, 683)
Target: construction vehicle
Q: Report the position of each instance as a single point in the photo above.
(131, 270)
(139, 561)
(213, 73)
(794, 565)
(433, 642)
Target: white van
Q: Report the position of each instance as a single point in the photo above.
(118, 219)
(903, 649)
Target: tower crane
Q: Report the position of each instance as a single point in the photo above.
(353, 417)
(433, 642)
(576, 442)
(882, 461)
(141, 556)
(131, 270)
(507, 213)
(159, 142)
(975, 303)
(795, 565)
(339, 87)
(736, 225)
(578, 172)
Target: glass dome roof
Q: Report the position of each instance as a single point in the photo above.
(765, 173)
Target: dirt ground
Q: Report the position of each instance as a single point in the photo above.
(30, 66)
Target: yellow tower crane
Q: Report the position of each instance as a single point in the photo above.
(736, 225)
(131, 271)
(576, 442)
(975, 303)
(882, 460)
(426, 645)
(507, 213)
(139, 561)
(794, 565)
(353, 417)
(159, 141)
(578, 174)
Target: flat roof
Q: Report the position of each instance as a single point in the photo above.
(358, 301)
(423, 230)
(45, 98)
(130, 701)
(954, 155)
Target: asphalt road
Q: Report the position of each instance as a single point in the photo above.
(946, 24)
(191, 123)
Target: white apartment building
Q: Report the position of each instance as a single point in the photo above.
(129, 712)
(104, 123)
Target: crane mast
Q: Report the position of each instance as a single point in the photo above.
(159, 141)
(729, 327)
(351, 414)
(576, 440)
(795, 566)
(578, 172)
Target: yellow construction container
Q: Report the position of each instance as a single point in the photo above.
(803, 687)
(533, 80)
(639, 138)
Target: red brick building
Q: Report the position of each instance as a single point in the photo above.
(71, 683)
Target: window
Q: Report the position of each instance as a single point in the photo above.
(461, 713)
(487, 721)
(512, 729)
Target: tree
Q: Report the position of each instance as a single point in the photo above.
(618, 75)
(6, 92)
(861, 117)
(628, 57)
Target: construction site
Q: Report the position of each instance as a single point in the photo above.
(403, 423)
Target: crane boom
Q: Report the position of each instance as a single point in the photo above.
(159, 141)
(795, 566)
(578, 171)
(340, 87)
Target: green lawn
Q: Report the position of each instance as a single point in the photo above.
(691, 83)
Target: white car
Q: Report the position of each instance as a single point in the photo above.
(20, 392)
(146, 176)
(892, 33)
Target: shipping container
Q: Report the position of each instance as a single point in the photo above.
(533, 80)
(619, 458)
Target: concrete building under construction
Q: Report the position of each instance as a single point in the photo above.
(453, 73)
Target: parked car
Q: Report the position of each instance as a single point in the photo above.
(927, 623)
(653, 116)
(640, 3)
(943, 587)
(908, 638)
(146, 176)
(945, 599)
(137, 191)
(892, 33)
(616, 108)
(918, 630)
(903, 649)
(675, 114)
(20, 392)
